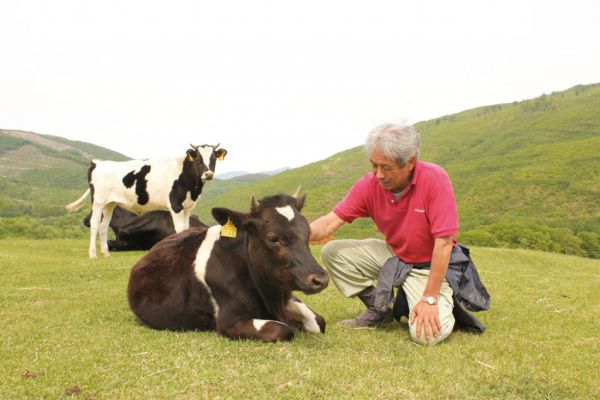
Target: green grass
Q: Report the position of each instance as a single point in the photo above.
(67, 319)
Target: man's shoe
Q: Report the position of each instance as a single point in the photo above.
(368, 319)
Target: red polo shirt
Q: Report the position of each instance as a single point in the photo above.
(410, 225)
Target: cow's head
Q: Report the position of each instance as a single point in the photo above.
(277, 239)
(203, 160)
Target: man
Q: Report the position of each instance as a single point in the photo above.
(412, 203)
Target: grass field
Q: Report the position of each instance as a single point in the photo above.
(65, 319)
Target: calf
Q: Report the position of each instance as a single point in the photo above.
(140, 232)
(174, 184)
(236, 278)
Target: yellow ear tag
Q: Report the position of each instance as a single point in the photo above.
(229, 229)
(222, 156)
(190, 157)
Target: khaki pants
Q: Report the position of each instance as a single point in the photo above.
(355, 264)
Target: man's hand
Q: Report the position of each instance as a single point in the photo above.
(427, 317)
(324, 226)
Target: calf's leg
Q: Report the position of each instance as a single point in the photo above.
(186, 218)
(259, 329)
(310, 321)
(94, 225)
(104, 224)
(178, 220)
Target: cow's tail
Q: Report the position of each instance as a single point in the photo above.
(74, 206)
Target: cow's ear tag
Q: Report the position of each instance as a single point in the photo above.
(222, 156)
(190, 158)
(229, 229)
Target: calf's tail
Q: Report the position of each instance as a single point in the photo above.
(74, 206)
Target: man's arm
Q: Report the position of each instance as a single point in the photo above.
(325, 226)
(426, 315)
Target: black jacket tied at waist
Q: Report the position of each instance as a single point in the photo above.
(469, 292)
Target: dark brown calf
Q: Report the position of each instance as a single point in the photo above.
(236, 278)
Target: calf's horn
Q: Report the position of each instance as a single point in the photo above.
(296, 194)
(254, 204)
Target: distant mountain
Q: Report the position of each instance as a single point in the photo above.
(229, 175)
(251, 176)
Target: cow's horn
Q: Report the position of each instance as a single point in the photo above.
(296, 194)
(194, 147)
(254, 204)
(218, 144)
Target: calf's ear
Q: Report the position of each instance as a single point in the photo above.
(221, 153)
(191, 154)
(240, 220)
(300, 202)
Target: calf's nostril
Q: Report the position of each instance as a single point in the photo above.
(319, 281)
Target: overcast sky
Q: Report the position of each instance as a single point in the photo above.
(277, 83)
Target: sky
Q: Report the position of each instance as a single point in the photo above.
(277, 83)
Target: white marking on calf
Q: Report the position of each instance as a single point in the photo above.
(286, 211)
(302, 313)
(212, 235)
(259, 323)
(206, 152)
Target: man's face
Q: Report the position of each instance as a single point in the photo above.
(388, 172)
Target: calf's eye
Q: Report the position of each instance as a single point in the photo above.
(273, 239)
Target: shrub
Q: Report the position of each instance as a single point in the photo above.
(590, 243)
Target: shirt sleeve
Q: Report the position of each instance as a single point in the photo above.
(354, 205)
(443, 214)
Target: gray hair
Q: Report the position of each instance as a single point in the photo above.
(399, 142)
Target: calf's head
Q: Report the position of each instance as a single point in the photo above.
(277, 243)
(203, 160)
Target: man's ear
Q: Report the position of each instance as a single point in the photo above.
(222, 215)
(221, 153)
(300, 202)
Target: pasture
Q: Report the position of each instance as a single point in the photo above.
(67, 331)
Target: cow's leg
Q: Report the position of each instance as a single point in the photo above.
(297, 311)
(187, 214)
(104, 224)
(94, 225)
(258, 329)
(178, 220)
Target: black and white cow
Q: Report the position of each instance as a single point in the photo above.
(236, 278)
(140, 232)
(174, 184)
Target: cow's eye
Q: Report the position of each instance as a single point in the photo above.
(273, 238)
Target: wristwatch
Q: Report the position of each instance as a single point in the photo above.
(430, 300)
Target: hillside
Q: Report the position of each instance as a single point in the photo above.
(526, 174)
(38, 175)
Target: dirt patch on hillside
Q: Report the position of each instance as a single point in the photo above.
(30, 157)
(38, 139)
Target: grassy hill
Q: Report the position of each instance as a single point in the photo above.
(526, 174)
(39, 174)
(66, 320)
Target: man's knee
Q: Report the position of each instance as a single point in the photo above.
(331, 250)
(447, 327)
